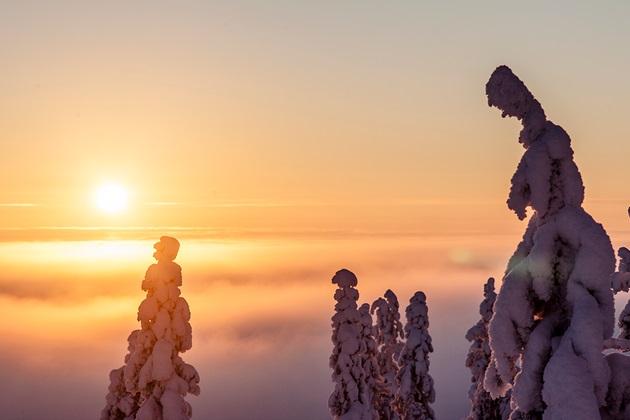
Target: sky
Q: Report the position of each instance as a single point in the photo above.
(279, 141)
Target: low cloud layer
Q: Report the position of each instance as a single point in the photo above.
(260, 317)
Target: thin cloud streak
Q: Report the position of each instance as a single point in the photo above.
(377, 203)
(19, 205)
(99, 233)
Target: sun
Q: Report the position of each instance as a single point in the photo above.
(111, 198)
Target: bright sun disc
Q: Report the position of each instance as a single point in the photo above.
(111, 198)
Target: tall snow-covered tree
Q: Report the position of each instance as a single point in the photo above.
(483, 406)
(555, 307)
(415, 386)
(154, 371)
(389, 332)
(349, 400)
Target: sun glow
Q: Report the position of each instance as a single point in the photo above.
(111, 198)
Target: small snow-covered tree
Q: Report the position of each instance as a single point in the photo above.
(621, 282)
(349, 400)
(154, 371)
(483, 406)
(555, 307)
(618, 398)
(369, 352)
(389, 332)
(415, 385)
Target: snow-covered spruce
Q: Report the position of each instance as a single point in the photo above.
(154, 370)
(415, 385)
(483, 406)
(348, 400)
(555, 306)
(389, 332)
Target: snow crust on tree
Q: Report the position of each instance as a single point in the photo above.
(415, 385)
(483, 406)
(389, 335)
(555, 306)
(350, 400)
(154, 372)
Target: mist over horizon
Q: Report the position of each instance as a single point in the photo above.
(261, 318)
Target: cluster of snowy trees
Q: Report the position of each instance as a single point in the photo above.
(544, 346)
(154, 380)
(380, 370)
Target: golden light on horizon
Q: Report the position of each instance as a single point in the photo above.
(111, 198)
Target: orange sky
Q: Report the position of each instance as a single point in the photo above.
(279, 141)
(291, 105)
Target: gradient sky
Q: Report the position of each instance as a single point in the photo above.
(279, 141)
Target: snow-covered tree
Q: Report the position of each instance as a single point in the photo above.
(415, 385)
(373, 382)
(618, 398)
(555, 306)
(483, 407)
(154, 371)
(389, 332)
(349, 400)
(621, 282)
